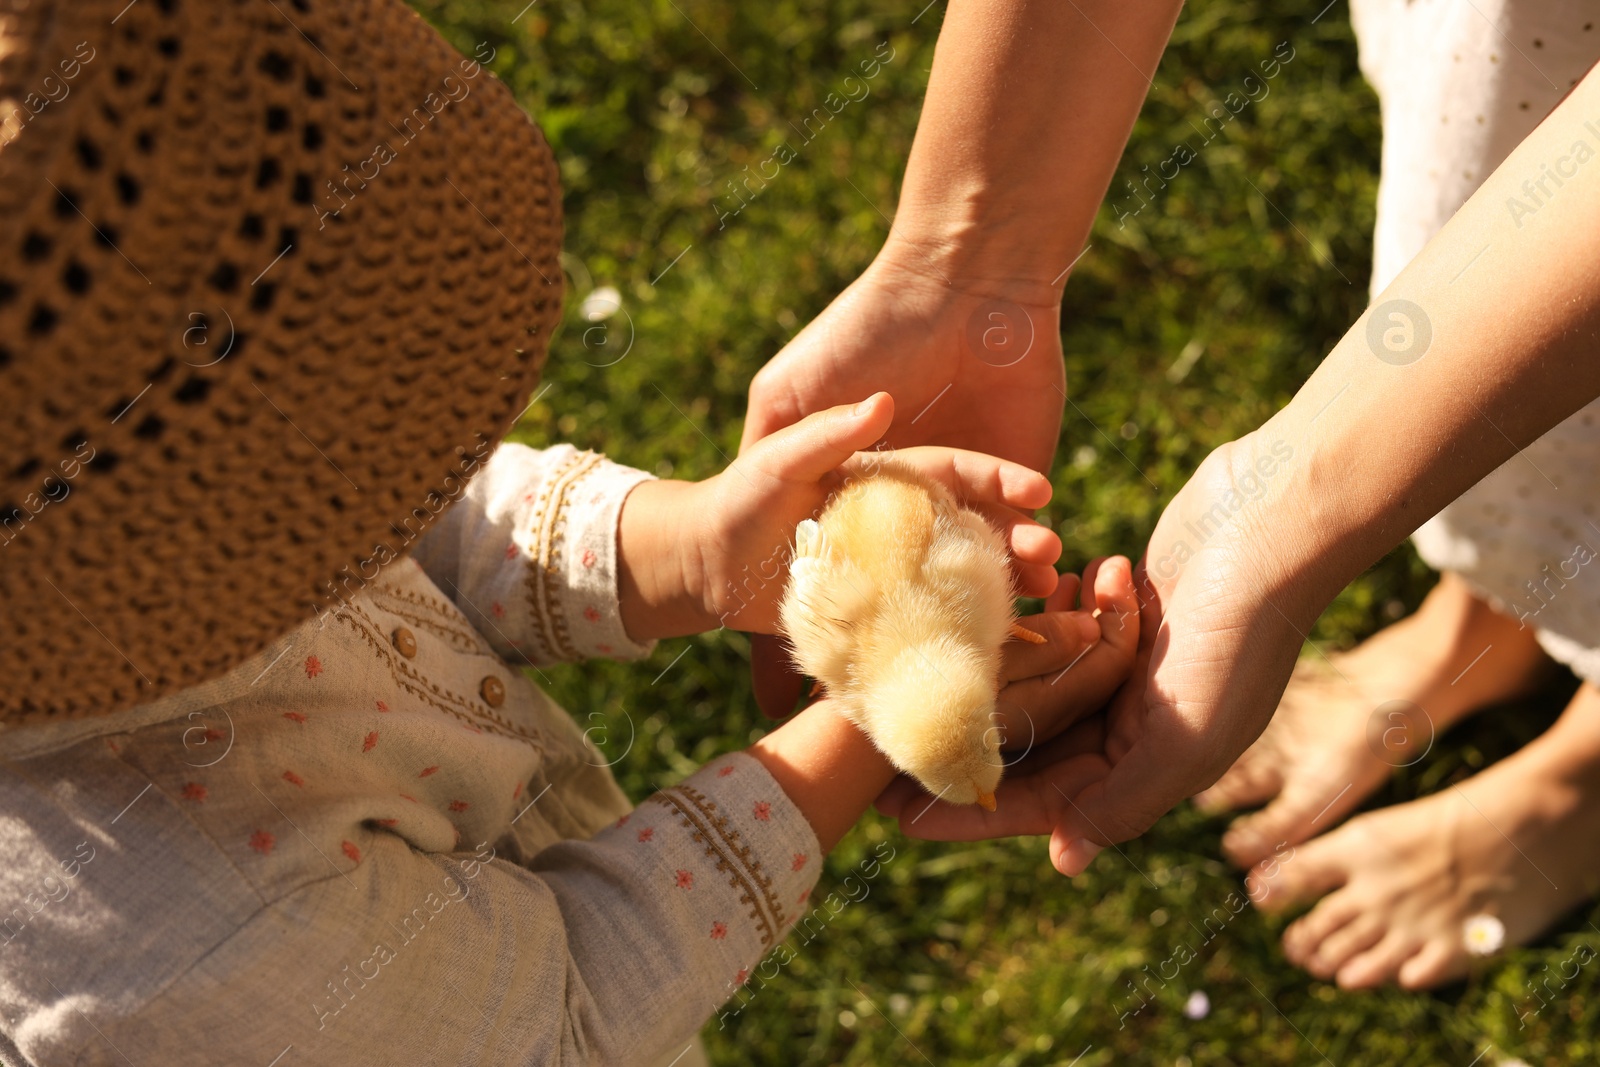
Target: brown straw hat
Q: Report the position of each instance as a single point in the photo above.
(274, 277)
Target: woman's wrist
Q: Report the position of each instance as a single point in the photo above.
(962, 248)
(1250, 511)
(1320, 523)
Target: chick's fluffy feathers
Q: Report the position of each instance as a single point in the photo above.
(898, 602)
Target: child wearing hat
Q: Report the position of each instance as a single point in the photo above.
(274, 786)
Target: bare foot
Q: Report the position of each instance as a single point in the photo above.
(1343, 727)
(1514, 843)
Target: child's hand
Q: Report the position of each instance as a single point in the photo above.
(696, 556)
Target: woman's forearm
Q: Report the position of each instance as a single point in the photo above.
(1029, 105)
(1485, 341)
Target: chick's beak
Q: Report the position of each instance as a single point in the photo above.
(986, 800)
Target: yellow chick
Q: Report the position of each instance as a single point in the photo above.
(899, 600)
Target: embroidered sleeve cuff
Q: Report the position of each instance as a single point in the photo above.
(581, 567)
(530, 556)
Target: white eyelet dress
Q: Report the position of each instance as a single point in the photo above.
(1461, 84)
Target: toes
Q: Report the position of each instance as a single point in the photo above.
(1437, 963)
(1296, 874)
(1344, 944)
(1306, 934)
(1378, 964)
(1305, 806)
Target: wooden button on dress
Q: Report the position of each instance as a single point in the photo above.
(405, 642)
(493, 691)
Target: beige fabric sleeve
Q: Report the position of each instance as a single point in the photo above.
(529, 554)
(614, 950)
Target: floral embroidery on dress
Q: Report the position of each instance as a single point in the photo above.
(647, 833)
(195, 791)
(719, 930)
(763, 811)
(589, 557)
(293, 778)
(799, 861)
(382, 706)
(592, 613)
(313, 666)
(370, 742)
(724, 772)
(426, 771)
(547, 529)
(733, 856)
(685, 880)
(262, 842)
(295, 716)
(459, 805)
(351, 850)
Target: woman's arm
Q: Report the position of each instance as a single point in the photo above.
(1029, 105)
(1028, 109)
(1486, 340)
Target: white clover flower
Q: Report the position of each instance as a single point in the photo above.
(1483, 935)
(601, 304)
(1198, 1006)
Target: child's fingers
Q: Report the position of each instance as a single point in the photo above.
(818, 444)
(1079, 677)
(1067, 635)
(1118, 603)
(1091, 574)
(1035, 579)
(1034, 548)
(1062, 684)
(1065, 595)
(978, 478)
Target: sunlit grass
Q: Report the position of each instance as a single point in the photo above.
(1184, 326)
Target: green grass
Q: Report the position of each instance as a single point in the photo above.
(1183, 329)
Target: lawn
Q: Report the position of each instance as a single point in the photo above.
(1186, 324)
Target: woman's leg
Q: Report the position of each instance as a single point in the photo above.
(1345, 724)
(1516, 842)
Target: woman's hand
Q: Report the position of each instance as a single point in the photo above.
(1222, 620)
(977, 368)
(695, 556)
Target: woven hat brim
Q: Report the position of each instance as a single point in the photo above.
(274, 278)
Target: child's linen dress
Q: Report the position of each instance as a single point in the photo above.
(378, 842)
